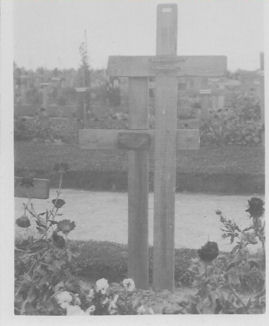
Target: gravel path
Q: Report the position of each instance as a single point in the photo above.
(103, 216)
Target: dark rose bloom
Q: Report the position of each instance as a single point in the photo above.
(58, 240)
(66, 226)
(58, 203)
(23, 221)
(208, 252)
(255, 208)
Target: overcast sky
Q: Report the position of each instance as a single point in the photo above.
(48, 32)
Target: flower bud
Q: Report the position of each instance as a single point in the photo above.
(208, 252)
(129, 284)
(23, 221)
(65, 226)
(102, 285)
(255, 208)
(58, 202)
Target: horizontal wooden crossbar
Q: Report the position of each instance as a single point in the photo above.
(107, 139)
(37, 188)
(145, 66)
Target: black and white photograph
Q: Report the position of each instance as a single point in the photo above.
(136, 146)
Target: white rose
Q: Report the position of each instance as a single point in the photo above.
(116, 297)
(102, 285)
(63, 298)
(64, 305)
(141, 310)
(90, 310)
(74, 310)
(129, 284)
(91, 294)
(103, 290)
(151, 311)
(112, 308)
(77, 300)
(105, 301)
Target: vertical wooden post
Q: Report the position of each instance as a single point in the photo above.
(165, 152)
(138, 187)
(81, 110)
(85, 112)
(45, 95)
(166, 43)
(205, 101)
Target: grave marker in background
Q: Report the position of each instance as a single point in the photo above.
(205, 99)
(45, 94)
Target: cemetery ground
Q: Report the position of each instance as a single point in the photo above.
(91, 259)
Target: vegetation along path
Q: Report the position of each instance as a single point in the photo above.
(219, 169)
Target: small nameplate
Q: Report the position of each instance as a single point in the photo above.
(133, 140)
(166, 64)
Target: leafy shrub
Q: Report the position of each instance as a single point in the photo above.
(23, 130)
(32, 129)
(44, 269)
(42, 262)
(234, 283)
(100, 260)
(109, 260)
(238, 124)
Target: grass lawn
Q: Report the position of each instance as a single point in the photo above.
(207, 160)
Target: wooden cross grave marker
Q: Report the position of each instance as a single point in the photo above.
(166, 140)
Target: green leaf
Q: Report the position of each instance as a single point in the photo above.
(41, 230)
(40, 224)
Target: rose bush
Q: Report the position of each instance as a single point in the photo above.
(43, 260)
(239, 123)
(233, 283)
